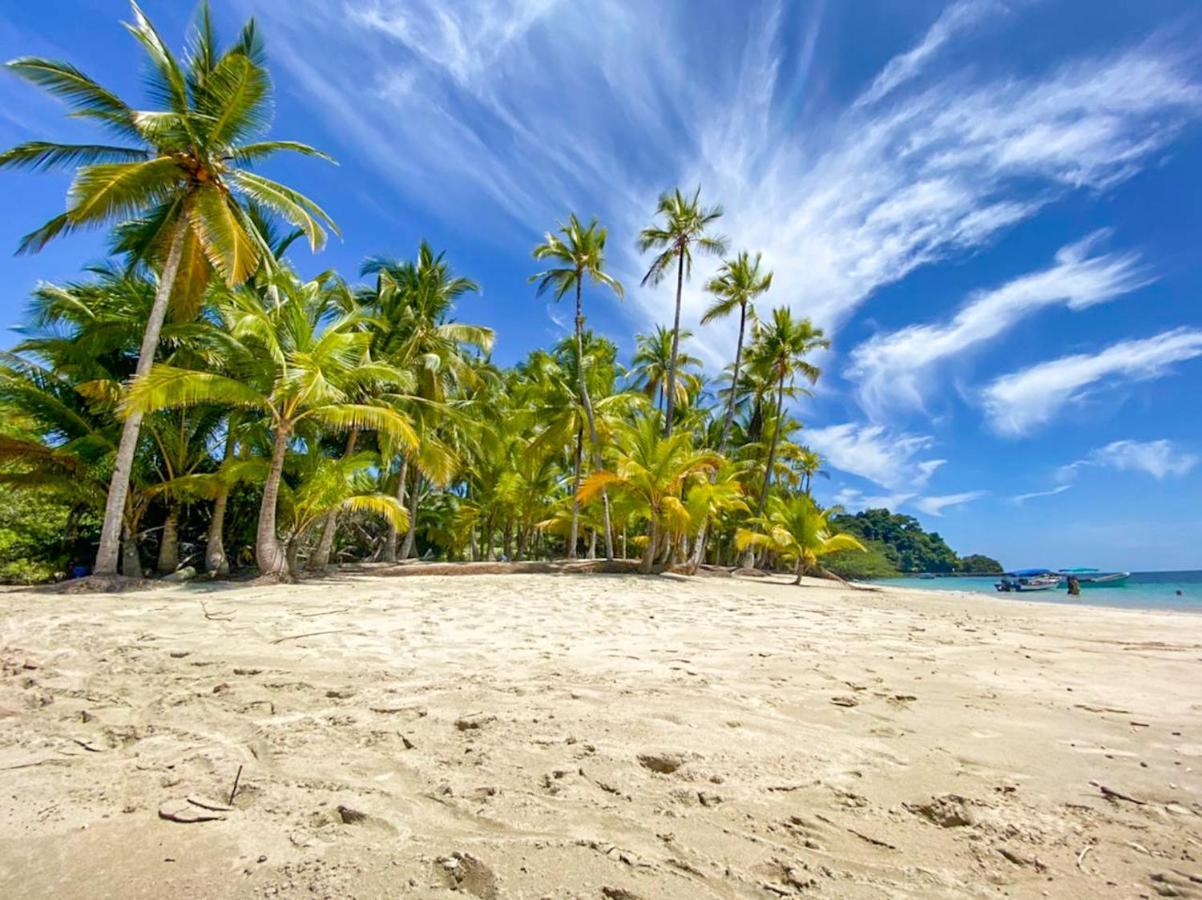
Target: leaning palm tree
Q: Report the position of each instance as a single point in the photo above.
(794, 528)
(737, 283)
(299, 366)
(181, 171)
(580, 253)
(686, 222)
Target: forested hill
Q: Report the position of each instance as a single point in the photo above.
(898, 544)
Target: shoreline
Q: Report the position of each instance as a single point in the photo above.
(531, 735)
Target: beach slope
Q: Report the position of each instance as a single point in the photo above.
(601, 736)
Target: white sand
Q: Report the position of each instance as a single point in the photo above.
(519, 721)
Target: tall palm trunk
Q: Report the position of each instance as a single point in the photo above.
(652, 545)
(131, 564)
(703, 535)
(749, 557)
(270, 556)
(216, 562)
(734, 381)
(675, 345)
(393, 533)
(575, 530)
(594, 441)
(168, 560)
(780, 410)
(110, 533)
(407, 549)
(321, 556)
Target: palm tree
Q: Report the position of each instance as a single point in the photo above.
(653, 361)
(794, 528)
(779, 356)
(737, 283)
(411, 305)
(685, 225)
(581, 253)
(810, 463)
(298, 366)
(656, 470)
(181, 170)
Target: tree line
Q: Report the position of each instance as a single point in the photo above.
(194, 401)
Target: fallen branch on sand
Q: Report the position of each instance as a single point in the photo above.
(1081, 859)
(324, 612)
(234, 789)
(1111, 794)
(297, 637)
(215, 618)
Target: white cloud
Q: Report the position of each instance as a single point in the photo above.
(894, 369)
(872, 452)
(855, 500)
(1020, 499)
(957, 18)
(1160, 459)
(501, 118)
(934, 506)
(1019, 403)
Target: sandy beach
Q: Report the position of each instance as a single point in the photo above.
(594, 736)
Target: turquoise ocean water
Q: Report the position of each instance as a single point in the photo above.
(1143, 590)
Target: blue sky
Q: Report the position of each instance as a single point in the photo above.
(993, 206)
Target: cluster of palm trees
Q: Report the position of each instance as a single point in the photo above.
(195, 376)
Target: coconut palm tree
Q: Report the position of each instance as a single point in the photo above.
(778, 356)
(655, 470)
(685, 226)
(653, 362)
(810, 463)
(299, 365)
(182, 169)
(581, 253)
(737, 283)
(794, 528)
(411, 304)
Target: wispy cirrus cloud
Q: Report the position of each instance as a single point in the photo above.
(501, 118)
(960, 17)
(894, 370)
(1160, 459)
(895, 461)
(935, 505)
(1020, 499)
(1021, 402)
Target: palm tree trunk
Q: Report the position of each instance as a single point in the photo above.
(407, 548)
(270, 556)
(734, 381)
(393, 534)
(671, 400)
(131, 563)
(114, 506)
(168, 560)
(780, 409)
(652, 546)
(574, 533)
(594, 442)
(216, 562)
(797, 580)
(321, 556)
(749, 558)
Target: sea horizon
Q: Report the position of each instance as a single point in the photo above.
(1151, 589)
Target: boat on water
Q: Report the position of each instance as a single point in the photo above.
(1025, 580)
(1094, 577)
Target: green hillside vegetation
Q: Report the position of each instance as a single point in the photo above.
(898, 545)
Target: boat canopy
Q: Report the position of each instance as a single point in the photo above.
(1029, 573)
(1078, 570)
